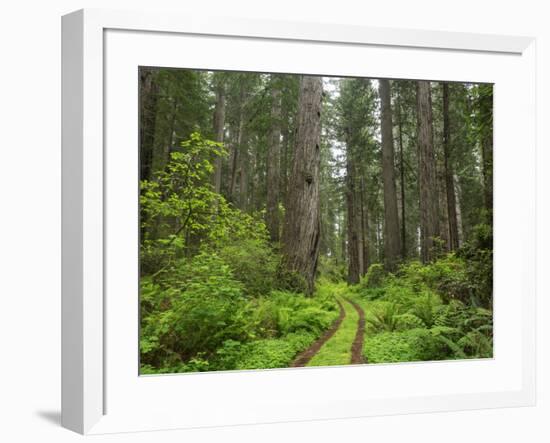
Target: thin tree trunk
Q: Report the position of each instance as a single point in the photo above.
(237, 149)
(429, 211)
(449, 173)
(442, 196)
(148, 100)
(301, 230)
(486, 114)
(255, 194)
(402, 183)
(236, 153)
(343, 238)
(378, 238)
(458, 192)
(354, 217)
(274, 164)
(219, 125)
(285, 154)
(364, 229)
(392, 239)
(162, 150)
(244, 159)
(354, 252)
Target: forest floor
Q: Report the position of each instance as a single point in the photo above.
(342, 343)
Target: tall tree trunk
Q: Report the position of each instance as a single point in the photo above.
(449, 173)
(274, 163)
(364, 228)
(442, 196)
(235, 161)
(164, 147)
(244, 159)
(255, 194)
(392, 240)
(402, 183)
(355, 212)
(219, 130)
(429, 211)
(458, 192)
(379, 238)
(343, 237)
(148, 100)
(354, 247)
(301, 228)
(354, 271)
(486, 125)
(236, 148)
(286, 131)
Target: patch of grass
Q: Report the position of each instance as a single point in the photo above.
(337, 351)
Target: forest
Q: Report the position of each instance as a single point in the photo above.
(295, 220)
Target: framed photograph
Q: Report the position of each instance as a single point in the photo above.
(273, 221)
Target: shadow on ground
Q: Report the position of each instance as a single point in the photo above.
(53, 417)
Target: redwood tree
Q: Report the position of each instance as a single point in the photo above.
(449, 173)
(427, 180)
(219, 125)
(274, 163)
(392, 247)
(301, 230)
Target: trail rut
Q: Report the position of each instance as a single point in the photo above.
(305, 356)
(357, 346)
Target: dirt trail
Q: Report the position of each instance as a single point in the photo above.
(357, 346)
(305, 356)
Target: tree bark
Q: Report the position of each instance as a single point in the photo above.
(442, 195)
(236, 149)
(274, 164)
(458, 192)
(429, 211)
(402, 183)
(301, 230)
(244, 159)
(354, 251)
(392, 247)
(233, 163)
(449, 173)
(364, 228)
(148, 100)
(486, 124)
(219, 126)
(164, 147)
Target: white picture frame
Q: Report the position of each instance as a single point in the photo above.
(101, 393)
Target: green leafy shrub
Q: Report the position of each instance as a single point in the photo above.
(299, 313)
(446, 276)
(279, 327)
(410, 345)
(477, 344)
(384, 316)
(253, 263)
(478, 256)
(273, 353)
(409, 321)
(374, 278)
(471, 327)
(200, 308)
(290, 280)
(329, 269)
(424, 307)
